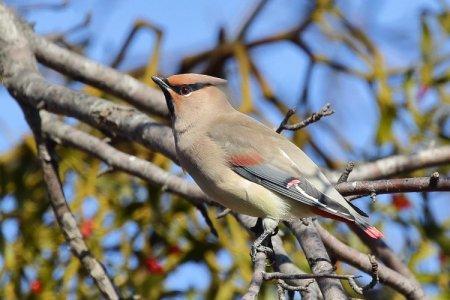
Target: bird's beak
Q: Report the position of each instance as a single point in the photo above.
(165, 88)
(161, 82)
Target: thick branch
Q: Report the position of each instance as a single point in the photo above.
(62, 212)
(130, 164)
(397, 164)
(116, 159)
(282, 262)
(97, 75)
(22, 80)
(406, 286)
(285, 265)
(389, 186)
(257, 279)
(318, 258)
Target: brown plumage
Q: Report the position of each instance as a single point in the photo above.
(244, 165)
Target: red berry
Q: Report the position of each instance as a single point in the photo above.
(36, 286)
(153, 266)
(443, 257)
(401, 202)
(174, 249)
(86, 228)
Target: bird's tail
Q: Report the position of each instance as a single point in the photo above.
(367, 228)
(357, 219)
(361, 219)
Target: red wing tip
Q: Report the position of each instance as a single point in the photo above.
(292, 183)
(246, 159)
(373, 232)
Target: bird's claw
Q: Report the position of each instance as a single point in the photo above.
(260, 248)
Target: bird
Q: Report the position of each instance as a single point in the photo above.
(243, 164)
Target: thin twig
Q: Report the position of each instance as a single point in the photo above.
(283, 123)
(350, 278)
(346, 173)
(138, 25)
(375, 278)
(249, 20)
(78, 26)
(289, 287)
(44, 5)
(398, 164)
(204, 212)
(324, 111)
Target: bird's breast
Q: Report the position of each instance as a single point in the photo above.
(207, 165)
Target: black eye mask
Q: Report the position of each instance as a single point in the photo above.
(185, 89)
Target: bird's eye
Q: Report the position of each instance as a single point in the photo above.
(185, 90)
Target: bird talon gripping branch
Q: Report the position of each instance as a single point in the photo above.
(244, 165)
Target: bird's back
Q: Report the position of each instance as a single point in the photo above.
(236, 133)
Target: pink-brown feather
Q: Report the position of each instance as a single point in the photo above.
(243, 160)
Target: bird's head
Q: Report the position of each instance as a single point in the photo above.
(193, 96)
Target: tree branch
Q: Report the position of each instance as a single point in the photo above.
(133, 165)
(350, 278)
(249, 20)
(397, 164)
(22, 80)
(62, 212)
(408, 287)
(346, 173)
(324, 111)
(257, 279)
(317, 257)
(97, 75)
(16, 48)
(138, 26)
(281, 261)
(284, 264)
(390, 186)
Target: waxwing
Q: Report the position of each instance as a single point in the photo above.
(244, 165)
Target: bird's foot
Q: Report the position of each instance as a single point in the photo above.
(257, 244)
(255, 249)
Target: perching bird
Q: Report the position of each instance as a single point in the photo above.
(244, 165)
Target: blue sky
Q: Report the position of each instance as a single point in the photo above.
(191, 26)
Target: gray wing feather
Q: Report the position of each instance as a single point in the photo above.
(278, 181)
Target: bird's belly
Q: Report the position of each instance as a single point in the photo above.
(224, 186)
(243, 196)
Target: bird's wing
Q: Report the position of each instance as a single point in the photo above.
(260, 155)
